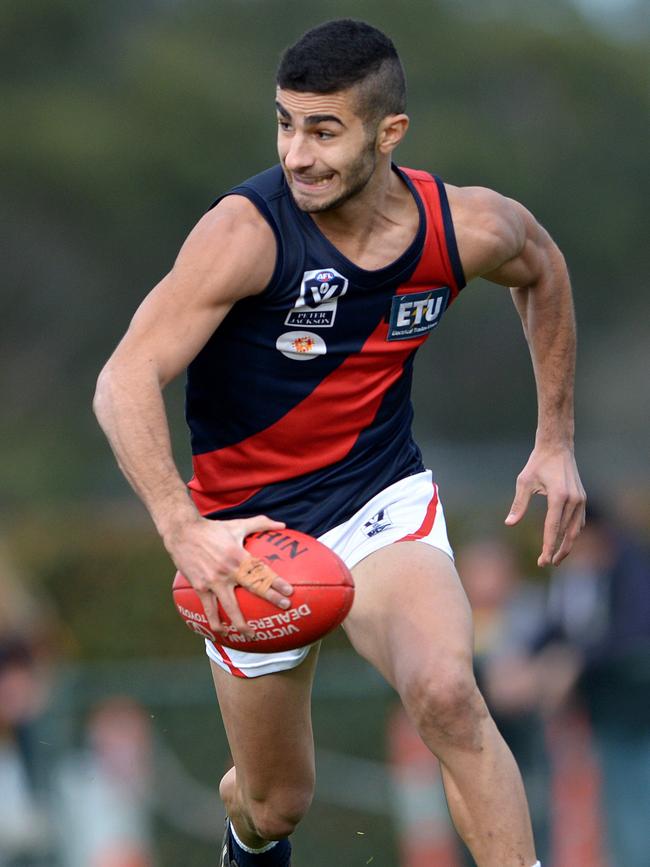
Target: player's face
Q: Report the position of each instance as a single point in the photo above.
(326, 152)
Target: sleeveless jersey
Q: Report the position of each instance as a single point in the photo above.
(299, 404)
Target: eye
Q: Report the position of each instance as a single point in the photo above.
(324, 134)
(284, 124)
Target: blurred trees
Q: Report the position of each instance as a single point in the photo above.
(122, 121)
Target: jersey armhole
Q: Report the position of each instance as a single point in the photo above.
(450, 235)
(254, 197)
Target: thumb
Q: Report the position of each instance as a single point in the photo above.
(519, 504)
(258, 524)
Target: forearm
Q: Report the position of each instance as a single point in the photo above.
(546, 311)
(130, 409)
(502, 241)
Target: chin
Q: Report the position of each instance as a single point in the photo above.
(313, 205)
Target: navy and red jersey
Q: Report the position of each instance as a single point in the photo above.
(299, 404)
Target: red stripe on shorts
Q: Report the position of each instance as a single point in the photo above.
(429, 519)
(233, 668)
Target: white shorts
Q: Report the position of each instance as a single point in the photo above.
(409, 510)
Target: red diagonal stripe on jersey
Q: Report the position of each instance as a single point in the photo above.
(317, 432)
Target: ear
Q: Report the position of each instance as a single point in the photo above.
(391, 131)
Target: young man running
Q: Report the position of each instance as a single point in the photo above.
(298, 302)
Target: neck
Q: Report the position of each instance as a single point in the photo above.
(358, 216)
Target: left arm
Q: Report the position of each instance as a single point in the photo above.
(500, 240)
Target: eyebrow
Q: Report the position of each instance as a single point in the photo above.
(311, 119)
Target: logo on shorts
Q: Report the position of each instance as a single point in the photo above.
(377, 524)
(301, 345)
(315, 306)
(416, 313)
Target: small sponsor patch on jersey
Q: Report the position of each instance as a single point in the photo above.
(315, 306)
(415, 313)
(377, 524)
(301, 345)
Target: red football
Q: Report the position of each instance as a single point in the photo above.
(322, 596)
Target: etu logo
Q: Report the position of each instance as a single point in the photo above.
(416, 313)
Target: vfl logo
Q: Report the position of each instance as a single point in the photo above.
(379, 522)
(315, 307)
(416, 313)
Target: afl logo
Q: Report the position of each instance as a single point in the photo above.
(301, 345)
(320, 286)
(315, 306)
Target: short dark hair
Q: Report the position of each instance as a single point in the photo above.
(344, 53)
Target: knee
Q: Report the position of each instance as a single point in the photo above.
(446, 706)
(277, 815)
(271, 812)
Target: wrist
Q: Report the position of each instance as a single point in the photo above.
(554, 441)
(556, 432)
(172, 518)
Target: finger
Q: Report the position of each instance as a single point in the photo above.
(551, 537)
(520, 503)
(209, 602)
(258, 524)
(566, 537)
(281, 586)
(277, 594)
(573, 528)
(278, 599)
(258, 577)
(231, 608)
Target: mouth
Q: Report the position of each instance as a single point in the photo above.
(305, 182)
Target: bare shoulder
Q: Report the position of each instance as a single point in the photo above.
(490, 229)
(231, 251)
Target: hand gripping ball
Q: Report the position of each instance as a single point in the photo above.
(322, 596)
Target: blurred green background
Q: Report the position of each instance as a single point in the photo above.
(121, 122)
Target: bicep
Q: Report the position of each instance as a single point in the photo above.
(535, 258)
(229, 255)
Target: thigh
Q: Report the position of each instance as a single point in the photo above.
(268, 724)
(410, 614)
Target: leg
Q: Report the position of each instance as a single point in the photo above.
(412, 621)
(268, 724)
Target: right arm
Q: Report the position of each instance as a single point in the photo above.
(229, 255)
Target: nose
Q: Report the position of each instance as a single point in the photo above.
(297, 156)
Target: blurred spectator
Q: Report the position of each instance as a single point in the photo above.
(24, 687)
(598, 637)
(508, 617)
(23, 831)
(102, 794)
